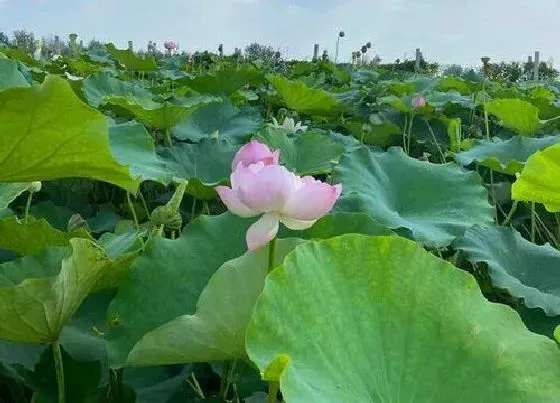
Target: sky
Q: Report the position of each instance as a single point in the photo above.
(447, 31)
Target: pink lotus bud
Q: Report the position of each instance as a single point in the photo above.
(280, 195)
(419, 102)
(254, 152)
(170, 45)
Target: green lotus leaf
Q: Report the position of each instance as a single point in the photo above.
(464, 87)
(159, 116)
(173, 273)
(39, 293)
(98, 87)
(216, 331)
(205, 164)
(525, 270)
(132, 146)
(435, 202)
(538, 181)
(418, 318)
(225, 81)
(129, 59)
(28, 237)
(10, 76)
(516, 114)
(507, 156)
(310, 153)
(47, 133)
(224, 118)
(298, 96)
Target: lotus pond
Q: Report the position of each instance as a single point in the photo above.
(236, 232)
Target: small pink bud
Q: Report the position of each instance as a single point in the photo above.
(419, 102)
(170, 45)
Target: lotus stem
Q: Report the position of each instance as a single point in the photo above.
(273, 388)
(132, 211)
(144, 204)
(195, 386)
(168, 137)
(404, 133)
(193, 208)
(271, 254)
(28, 205)
(493, 194)
(511, 213)
(59, 369)
(533, 222)
(442, 157)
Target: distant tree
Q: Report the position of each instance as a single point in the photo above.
(453, 70)
(4, 39)
(24, 40)
(256, 51)
(96, 47)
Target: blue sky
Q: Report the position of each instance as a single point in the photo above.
(446, 30)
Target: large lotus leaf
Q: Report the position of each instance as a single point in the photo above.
(527, 271)
(298, 96)
(217, 330)
(507, 156)
(10, 76)
(98, 87)
(378, 319)
(225, 81)
(159, 116)
(132, 146)
(205, 164)
(39, 293)
(458, 84)
(539, 179)
(129, 59)
(167, 279)
(223, 118)
(310, 153)
(516, 114)
(46, 133)
(28, 237)
(435, 202)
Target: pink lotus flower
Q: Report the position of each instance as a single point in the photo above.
(419, 102)
(170, 45)
(281, 195)
(254, 152)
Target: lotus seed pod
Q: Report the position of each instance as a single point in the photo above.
(163, 215)
(283, 112)
(366, 128)
(368, 45)
(35, 187)
(76, 222)
(293, 114)
(341, 34)
(364, 49)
